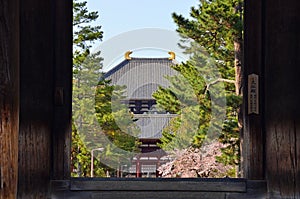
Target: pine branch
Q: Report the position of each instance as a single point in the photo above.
(217, 81)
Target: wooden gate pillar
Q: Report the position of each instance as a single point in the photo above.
(271, 148)
(9, 97)
(282, 97)
(45, 95)
(252, 138)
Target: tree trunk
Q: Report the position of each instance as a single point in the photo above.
(9, 98)
(238, 63)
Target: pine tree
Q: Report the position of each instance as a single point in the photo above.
(94, 114)
(86, 71)
(215, 25)
(189, 98)
(84, 34)
(117, 125)
(114, 117)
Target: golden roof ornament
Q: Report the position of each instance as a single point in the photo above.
(172, 55)
(127, 55)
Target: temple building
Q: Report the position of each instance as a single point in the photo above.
(36, 110)
(142, 77)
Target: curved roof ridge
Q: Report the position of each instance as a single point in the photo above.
(134, 59)
(166, 58)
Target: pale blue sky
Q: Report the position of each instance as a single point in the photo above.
(120, 19)
(117, 16)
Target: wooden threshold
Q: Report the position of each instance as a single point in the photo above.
(158, 188)
(159, 184)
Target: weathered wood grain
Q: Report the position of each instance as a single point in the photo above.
(159, 194)
(61, 137)
(282, 97)
(9, 97)
(256, 189)
(36, 97)
(45, 118)
(252, 138)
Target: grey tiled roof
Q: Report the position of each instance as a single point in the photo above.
(141, 76)
(151, 125)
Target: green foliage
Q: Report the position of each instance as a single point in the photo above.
(116, 124)
(114, 117)
(86, 71)
(231, 133)
(94, 114)
(87, 108)
(214, 25)
(84, 34)
(86, 66)
(81, 158)
(186, 97)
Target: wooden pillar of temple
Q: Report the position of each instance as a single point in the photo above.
(138, 168)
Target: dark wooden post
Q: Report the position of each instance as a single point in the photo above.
(282, 97)
(61, 136)
(9, 97)
(252, 138)
(36, 103)
(45, 104)
(271, 148)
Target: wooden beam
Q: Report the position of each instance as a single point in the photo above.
(159, 184)
(159, 188)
